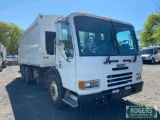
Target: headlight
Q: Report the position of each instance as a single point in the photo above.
(88, 84)
(138, 76)
(149, 57)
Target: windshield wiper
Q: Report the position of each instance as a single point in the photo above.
(135, 58)
(110, 61)
(108, 58)
(129, 60)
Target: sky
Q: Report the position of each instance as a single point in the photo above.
(24, 12)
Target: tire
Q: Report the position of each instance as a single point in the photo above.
(4, 64)
(28, 75)
(37, 81)
(56, 91)
(22, 70)
(1, 69)
(40, 78)
(152, 61)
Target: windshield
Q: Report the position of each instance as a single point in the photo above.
(127, 42)
(96, 37)
(147, 51)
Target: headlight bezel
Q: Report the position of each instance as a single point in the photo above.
(149, 57)
(138, 76)
(89, 84)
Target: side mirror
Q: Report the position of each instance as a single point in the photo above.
(155, 52)
(59, 31)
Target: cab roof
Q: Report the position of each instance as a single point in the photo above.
(97, 16)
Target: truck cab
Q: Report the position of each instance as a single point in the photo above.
(101, 56)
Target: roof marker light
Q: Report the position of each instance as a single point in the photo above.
(110, 19)
(104, 17)
(116, 20)
(84, 13)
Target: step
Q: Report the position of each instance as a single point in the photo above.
(70, 102)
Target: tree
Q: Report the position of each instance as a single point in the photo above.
(14, 34)
(4, 33)
(9, 35)
(150, 34)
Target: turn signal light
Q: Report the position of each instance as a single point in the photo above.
(81, 85)
(104, 18)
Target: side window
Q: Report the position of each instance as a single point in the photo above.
(50, 37)
(67, 39)
(87, 39)
(156, 51)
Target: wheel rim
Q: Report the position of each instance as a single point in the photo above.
(54, 90)
(152, 60)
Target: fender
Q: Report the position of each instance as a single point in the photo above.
(53, 70)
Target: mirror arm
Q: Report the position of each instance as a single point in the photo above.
(64, 57)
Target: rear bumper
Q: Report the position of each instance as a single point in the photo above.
(103, 97)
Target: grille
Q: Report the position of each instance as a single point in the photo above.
(118, 79)
(143, 58)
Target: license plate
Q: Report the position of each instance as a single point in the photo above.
(115, 91)
(128, 87)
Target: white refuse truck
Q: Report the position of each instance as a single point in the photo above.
(81, 58)
(3, 61)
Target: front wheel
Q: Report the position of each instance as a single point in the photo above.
(56, 91)
(152, 61)
(1, 69)
(4, 64)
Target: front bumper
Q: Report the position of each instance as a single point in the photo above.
(146, 60)
(103, 97)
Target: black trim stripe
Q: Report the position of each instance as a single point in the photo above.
(119, 83)
(122, 68)
(119, 75)
(119, 79)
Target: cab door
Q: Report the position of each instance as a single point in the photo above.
(158, 54)
(65, 56)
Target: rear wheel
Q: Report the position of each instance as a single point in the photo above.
(28, 75)
(56, 91)
(22, 70)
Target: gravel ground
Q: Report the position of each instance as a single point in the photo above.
(30, 102)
